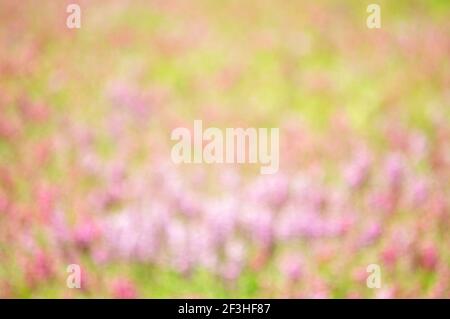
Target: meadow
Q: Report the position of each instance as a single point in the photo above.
(86, 175)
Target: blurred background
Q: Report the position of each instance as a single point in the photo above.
(85, 170)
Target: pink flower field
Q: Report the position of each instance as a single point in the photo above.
(87, 178)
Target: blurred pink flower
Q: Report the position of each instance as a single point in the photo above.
(39, 269)
(123, 289)
(384, 202)
(291, 267)
(371, 234)
(390, 255)
(85, 233)
(260, 226)
(272, 190)
(394, 169)
(428, 257)
(385, 293)
(419, 192)
(357, 172)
